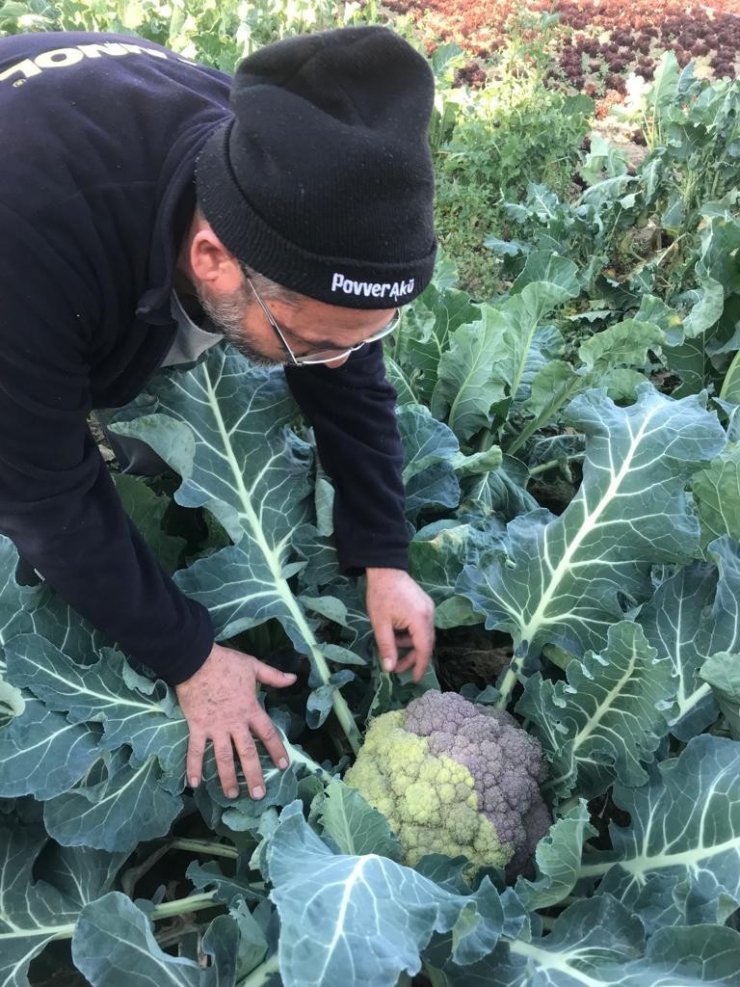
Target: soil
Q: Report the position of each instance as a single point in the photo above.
(470, 655)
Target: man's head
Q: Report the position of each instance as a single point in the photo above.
(268, 323)
(323, 183)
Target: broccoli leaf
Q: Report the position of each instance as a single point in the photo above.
(600, 943)
(34, 913)
(675, 625)
(430, 450)
(678, 862)
(342, 913)
(565, 579)
(147, 509)
(150, 725)
(226, 433)
(607, 718)
(224, 426)
(354, 826)
(43, 754)
(115, 946)
(695, 614)
(412, 360)
(716, 491)
(558, 857)
(12, 596)
(130, 804)
(490, 363)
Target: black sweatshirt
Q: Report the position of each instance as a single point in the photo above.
(99, 136)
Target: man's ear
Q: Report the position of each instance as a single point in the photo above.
(211, 263)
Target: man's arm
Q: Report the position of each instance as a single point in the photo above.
(59, 506)
(352, 411)
(58, 503)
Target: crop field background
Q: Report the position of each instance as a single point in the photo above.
(569, 401)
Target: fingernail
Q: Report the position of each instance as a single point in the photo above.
(289, 675)
(283, 763)
(388, 666)
(232, 793)
(258, 793)
(194, 782)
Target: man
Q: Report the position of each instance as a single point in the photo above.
(298, 217)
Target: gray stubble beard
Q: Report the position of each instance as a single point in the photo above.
(227, 315)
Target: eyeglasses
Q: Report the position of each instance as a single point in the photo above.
(322, 356)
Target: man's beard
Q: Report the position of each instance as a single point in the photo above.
(227, 315)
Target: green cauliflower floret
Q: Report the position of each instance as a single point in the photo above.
(452, 777)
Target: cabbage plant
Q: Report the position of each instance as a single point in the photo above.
(624, 626)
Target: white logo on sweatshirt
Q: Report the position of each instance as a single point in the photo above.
(62, 58)
(372, 289)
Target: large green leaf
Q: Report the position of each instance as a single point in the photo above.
(553, 386)
(489, 361)
(43, 754)
(722, 672)
(349, 919)
(566, 579)
(678, 862)
(607, 719)
(623, 344)
(599, 943)
(695, 614)
(558, 858)
(469, 384)
(34, 913)
(131, 711)
(431, 449)
(114, 946)
(224, 426)
(226, 433)
(147, 510)
(413, 356)
(716, 491)
(547, 267)
(353, 826)
(12, 596)
(437, 556)
(101, 745)
(501, 494)
(132, 803)
(675, 625)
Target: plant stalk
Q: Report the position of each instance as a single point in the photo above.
(261, 974)
(205, 846)
(169, 909)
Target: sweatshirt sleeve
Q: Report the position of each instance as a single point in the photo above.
(352, 411)
(58, 503)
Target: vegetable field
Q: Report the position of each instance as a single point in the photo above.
(569, 403)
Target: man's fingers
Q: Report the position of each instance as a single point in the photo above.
(385, 638)
(415, 661)
(423, 637)
(268, 675)
(408, 661)
(224, 754)
(263, 727)
(194, 762)
(247, 751)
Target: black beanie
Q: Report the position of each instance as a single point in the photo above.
(323, 179)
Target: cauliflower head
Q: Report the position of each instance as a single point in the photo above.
(452, 777)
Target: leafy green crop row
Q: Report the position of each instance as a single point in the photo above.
(100, 748)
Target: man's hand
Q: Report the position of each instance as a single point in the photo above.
(402, 616)
(220, 704)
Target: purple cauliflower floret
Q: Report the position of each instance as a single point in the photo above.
(506, 763)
